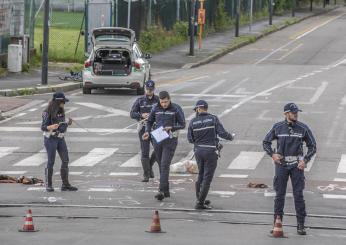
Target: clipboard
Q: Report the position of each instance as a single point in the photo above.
(159, 134)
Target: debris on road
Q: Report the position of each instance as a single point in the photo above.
(5, 179)
(257, 185)
(186, 166)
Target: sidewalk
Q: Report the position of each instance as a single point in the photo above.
(30, 83)
(221, 43)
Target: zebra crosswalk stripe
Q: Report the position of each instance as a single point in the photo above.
(34, 160)
(246, 160)
(95, 156)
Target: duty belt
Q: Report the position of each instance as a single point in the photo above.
(291, 160)
(54, 134)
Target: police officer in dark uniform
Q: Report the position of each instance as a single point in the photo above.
(140, 111)
(290, 161)
(171, 117)
(203, 132)
(54, 127)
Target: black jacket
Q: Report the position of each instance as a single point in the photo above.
(290, 138)
(204, 130)
(173, 117)
(143, 105)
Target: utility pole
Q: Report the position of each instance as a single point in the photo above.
(116, 10)
(251, 15)
(293, 8)
(270, 12)
(128, 13)
(178, 10)
(44, 78)
(192, 28)
(311, 5)
(149, 14)
(237, 18)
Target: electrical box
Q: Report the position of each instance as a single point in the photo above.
(15, 58)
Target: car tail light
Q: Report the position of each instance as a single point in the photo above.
(137, 65)
(87, 64)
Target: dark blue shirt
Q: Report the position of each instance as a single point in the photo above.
(173, 117)
(204, 130)
(290, 138)
(47, 121)
(142, 105)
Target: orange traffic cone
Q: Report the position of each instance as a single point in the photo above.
(277, 230)
(28, 224)
(155, 226)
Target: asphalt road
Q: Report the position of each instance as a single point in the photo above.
(247, 89)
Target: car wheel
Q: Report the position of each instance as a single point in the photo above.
(140, 91)
(86, 90)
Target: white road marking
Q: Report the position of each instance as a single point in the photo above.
(37, 189)
(332, 196)
(208, 89)
(297, 38)
(273, 194)
(105, 108)
(4, 151)
(13, 172)
(234, 176)
(318, 93)
(194, 96)
(180, 175)
(33, 109)
(247, 160)
(123, 174)
(223, 193)
(70, 109)
(134, 162)
(340, 180)
(290, 52)
(309, 166)
(70, 130)
(71, 173)
(95, 156)
(101, 189)
(34, 160)
(77, 93)
(342, 165)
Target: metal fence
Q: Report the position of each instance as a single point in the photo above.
(16, 17)
(68, 18)
(165, 13)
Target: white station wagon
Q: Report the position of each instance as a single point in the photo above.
(115, 61)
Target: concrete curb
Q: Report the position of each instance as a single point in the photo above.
(64, 87)
(252, 39)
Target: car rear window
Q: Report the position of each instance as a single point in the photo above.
(115, 38)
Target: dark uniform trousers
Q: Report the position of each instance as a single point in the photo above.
(164, 152)
(282, 174)
(207, 161)
(53, 145)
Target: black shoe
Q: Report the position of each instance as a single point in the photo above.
(207, 202)
(49, 189)
(145, 179)
(200, 206)
(160, 196)
(301, 230)
(167, 194)
(68, 188)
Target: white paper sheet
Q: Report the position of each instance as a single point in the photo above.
(159, 134)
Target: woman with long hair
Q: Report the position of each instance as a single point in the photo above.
(54, 127)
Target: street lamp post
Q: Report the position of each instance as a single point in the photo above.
(44, 75)
(192, 28)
